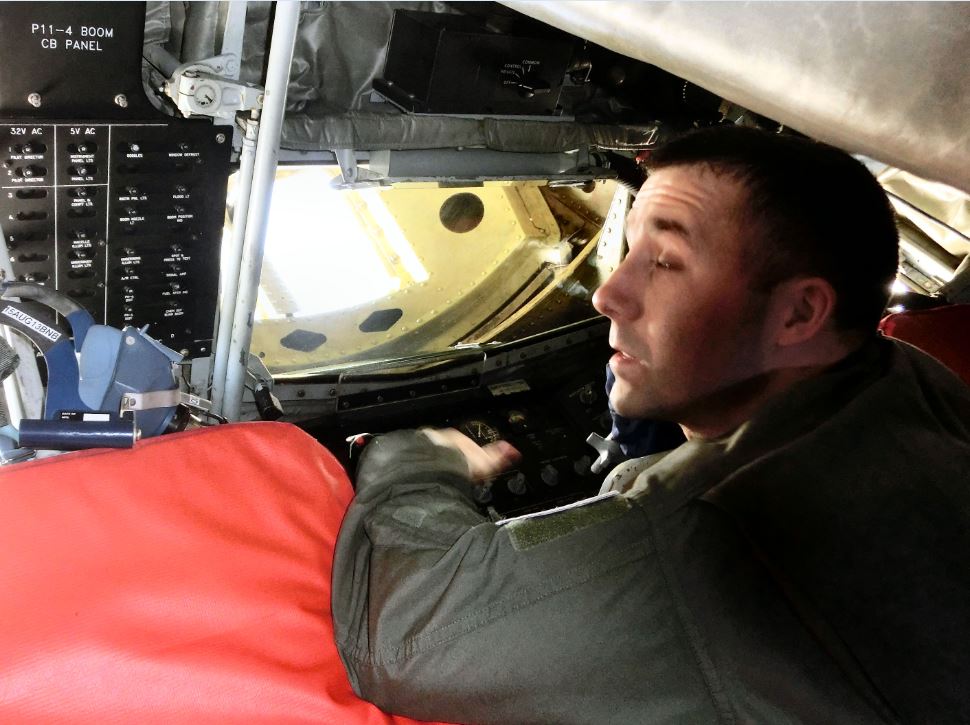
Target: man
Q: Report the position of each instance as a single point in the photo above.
(803, 557)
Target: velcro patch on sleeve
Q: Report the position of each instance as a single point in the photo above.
(531, 530)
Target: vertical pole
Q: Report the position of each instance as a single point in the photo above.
(232, 262)
(267, 152)
(232, 43)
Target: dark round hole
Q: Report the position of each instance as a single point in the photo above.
(462, 212)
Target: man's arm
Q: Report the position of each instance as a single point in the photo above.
(441, 613)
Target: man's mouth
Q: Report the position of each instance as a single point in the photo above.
(622, 359)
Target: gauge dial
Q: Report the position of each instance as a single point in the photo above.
(480, 432)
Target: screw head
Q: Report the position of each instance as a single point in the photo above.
(220, 138)
(121, 100)
(34, 100)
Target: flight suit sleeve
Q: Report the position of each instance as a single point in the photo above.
(440, 613)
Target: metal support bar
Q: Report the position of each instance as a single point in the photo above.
(233, 31)
(347, 161)
(267, 149)
(162, 399)
(232, 262)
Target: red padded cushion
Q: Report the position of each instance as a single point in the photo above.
(186, 580)
(943, 332)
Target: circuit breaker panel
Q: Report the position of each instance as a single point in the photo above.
(102, 195)
(126, 218)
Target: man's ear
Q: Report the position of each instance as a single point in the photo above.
(803, 308)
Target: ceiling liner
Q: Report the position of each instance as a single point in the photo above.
(886, 79)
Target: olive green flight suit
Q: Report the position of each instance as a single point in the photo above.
(812, 566)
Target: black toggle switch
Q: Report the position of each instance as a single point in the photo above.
(532, 87)
(31, 216)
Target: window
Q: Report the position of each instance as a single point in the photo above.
(379, 273)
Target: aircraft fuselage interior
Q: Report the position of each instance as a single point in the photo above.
(355, 217)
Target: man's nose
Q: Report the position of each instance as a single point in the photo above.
(615, 298)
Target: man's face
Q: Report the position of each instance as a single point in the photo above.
(685, 326)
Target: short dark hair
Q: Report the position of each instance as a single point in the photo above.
(816, 211)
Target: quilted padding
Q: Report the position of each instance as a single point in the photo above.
(184, 581)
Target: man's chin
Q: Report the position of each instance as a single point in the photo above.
(634, 407)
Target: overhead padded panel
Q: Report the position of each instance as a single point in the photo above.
(376, 132)
(184, 581)
(886, 79)
(340, 48)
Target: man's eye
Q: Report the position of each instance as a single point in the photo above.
(662, 264)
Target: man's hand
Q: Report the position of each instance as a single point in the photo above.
(483, 461)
